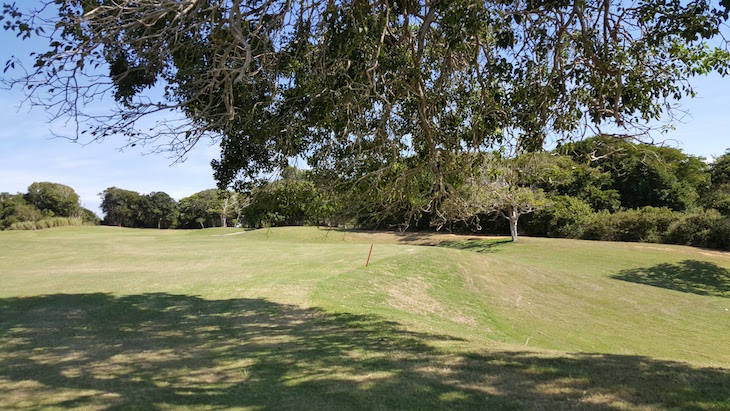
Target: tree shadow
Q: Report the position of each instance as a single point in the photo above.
(156, 351)
(476, 245)
(690, 276)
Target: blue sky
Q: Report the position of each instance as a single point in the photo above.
(29, 154)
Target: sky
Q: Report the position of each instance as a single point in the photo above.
(29, 153)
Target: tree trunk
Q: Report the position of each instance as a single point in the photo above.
(224, 213)
(513, 217)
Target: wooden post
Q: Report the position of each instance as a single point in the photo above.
(371, 252)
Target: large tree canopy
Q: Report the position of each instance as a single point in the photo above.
(59, 199)
(358, 87)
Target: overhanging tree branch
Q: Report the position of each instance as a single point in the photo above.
(357, 86)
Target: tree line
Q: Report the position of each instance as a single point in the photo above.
(207, 208)
(600, 188)
(291, 199)
(44, 205)
(47, 204)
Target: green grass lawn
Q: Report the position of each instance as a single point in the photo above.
(290, 318)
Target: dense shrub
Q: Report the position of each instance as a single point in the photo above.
(599, 226)
(647, 224)
(47, 223)
(563, 217)
(693, 228)
(89, 217)
(701, 228)
(285, 202)
(566, 217)
(719, 236)
(718, 198)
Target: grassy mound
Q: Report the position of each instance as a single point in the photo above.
(290, 318)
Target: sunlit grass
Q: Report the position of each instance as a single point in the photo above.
(291, 318)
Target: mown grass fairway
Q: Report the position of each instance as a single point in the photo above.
(290, 318)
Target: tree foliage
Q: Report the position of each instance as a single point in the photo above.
(58, 199)
(504, 186)
(640, 174)
(360, 87)
(14, 209)
(131, 209)
(291, 200)
(717, 195)
(122, 207)
(207, 208)
(159, 210)
(44, 205)
(720, 170)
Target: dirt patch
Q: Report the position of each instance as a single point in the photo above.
(649, 247)
(674, 249)
(719, 254)
(229, 234)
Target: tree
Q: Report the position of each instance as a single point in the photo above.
(643, 174)
(122, 207)
(159, 210)
(357, 87)
(89, 217)
(284, 202)
(497, 188)
(717, 195)
(204, 209)
(14, 209)
(512, 202)
(718, 198)
(293, 199)
(229, 207)
(59, 199)
(720, 169)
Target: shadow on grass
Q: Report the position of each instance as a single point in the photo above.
(158, 351)
(476, 245)
(690, 276)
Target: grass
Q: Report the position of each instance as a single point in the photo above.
(290, 318)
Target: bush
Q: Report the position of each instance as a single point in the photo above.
(47, 223)
(719, 236)
(561, 217)
(285, 202)
(22, 225)
(647, 224)
(564, 216)
(599, 226)
(694, 228)
(653, 223)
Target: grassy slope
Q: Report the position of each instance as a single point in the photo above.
(291, 318)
